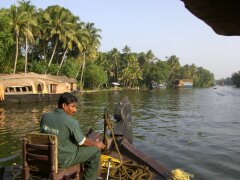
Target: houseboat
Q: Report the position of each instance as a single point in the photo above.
(32, 87)
(155, 85)
(183, 83)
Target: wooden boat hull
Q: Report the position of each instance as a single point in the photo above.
(130, 153)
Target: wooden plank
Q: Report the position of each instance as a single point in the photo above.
(37, 146)
(37, 157)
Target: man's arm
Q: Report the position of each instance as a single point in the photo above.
(89, 142)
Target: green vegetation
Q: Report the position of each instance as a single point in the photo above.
(55, 41)
(236, 79)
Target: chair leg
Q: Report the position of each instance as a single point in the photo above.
(53, 176)
(2, 170)
(25, 173)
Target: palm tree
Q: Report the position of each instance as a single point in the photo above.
(83, 37)
(42, 34)
(71, 39)
(132, 72)
(90, 46)
(126, 49)
(28, 27)
(106, 63)
(150, 56)
(115, 56)
(173, 62)
(18, 21)
(58, 24)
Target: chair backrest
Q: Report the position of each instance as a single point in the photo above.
(40, 153)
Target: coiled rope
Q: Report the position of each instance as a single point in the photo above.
(127, 170)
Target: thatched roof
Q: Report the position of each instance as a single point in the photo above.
(17, 83)
(60, 78)
(223, 16)
(31, 75)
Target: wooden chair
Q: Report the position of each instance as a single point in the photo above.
(40, 159)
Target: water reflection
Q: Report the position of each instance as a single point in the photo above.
(193, 129)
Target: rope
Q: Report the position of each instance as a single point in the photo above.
(134, 171)
(127, 170)
(110, 126)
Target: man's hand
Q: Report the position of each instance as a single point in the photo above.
(100, 145)
(97, 143)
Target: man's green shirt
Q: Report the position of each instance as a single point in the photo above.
(67, 131)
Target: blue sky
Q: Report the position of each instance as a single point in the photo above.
(164, 26)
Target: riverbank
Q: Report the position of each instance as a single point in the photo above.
(110, 89)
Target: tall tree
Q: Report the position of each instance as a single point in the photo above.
(58, 22)
(83, 37)
(6, 43)
(126, 49)
(43, 35)
(104, 60)
(115, 55)
(173, 62)
(91, 46)
(18, 21)
(71, 40)
(150, 56)
(236, 79)
(31, 22)
(132, 72)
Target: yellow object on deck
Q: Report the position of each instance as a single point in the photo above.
(104, 162)
(128, 169)
(178, 174)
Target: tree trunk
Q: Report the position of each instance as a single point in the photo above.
(78, 71)
(64, 55)
(83, 67)
(26, 55)
(55, 47)
(16, 56)
(44, 51)
(116, 69)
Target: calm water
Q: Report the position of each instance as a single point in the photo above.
(196, 130)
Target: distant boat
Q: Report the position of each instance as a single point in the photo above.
(158, 86)
(115, 84)
(32, 87)
(183, 83)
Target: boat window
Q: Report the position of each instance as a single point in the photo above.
(40, 87)
(53, 88)
(24, 89)
(18, 89)
(11, 89)
(29, 88)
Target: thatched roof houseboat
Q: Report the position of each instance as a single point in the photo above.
(183, 83)
(34, 87)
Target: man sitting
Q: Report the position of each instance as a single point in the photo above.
(73, 146)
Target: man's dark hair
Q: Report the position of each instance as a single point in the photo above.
(66, 98)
